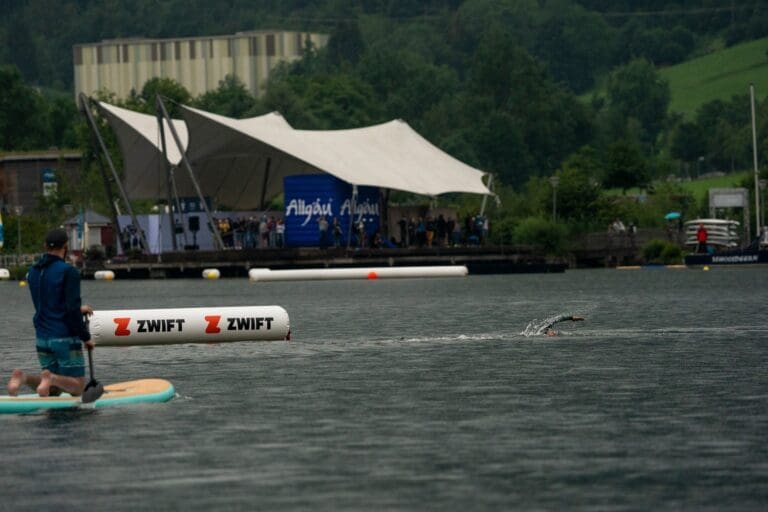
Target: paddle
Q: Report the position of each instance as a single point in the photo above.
(94, 389)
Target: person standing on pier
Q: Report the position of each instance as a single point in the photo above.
(322, 226)
(701, 238)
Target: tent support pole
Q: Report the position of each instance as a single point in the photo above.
(485, 196)
(352, 208)
(264, 184)
(385, 213)
(108, 191)
(86, 111)
(212, 225)
(168, 179)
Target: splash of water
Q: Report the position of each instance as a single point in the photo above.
(537, 327)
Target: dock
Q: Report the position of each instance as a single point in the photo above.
(237, 263)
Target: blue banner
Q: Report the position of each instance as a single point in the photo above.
(310, 197)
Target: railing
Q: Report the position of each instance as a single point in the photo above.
(16, 260)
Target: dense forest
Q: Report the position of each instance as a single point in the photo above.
(503, 85)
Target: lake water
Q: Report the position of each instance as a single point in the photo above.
(419, 395)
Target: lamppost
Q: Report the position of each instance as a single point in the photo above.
(554, 181)
(18, 210)
(762, 184)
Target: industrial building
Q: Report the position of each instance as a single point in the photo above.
(198, 63)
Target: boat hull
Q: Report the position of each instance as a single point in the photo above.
(728, 258)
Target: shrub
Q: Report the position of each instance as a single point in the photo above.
(661, 251)
(671, 254)
(542, 233)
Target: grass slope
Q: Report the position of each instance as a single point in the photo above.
(699, 187)
(718, 75)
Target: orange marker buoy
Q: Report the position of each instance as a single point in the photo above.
(372, 275)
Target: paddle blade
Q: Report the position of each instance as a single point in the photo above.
(92, 392)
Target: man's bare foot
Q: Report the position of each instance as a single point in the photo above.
(44, 388)
(17, 378)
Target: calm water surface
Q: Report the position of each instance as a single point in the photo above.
(420, 395)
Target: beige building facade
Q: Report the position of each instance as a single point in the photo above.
(197, 63)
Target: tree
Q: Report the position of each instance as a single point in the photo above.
(625, 166)
(171, 91)
(230, 99)
(688, 142)
(345, 44)
(579, 185)
(23, 114)
(576, 45)
(637, 90)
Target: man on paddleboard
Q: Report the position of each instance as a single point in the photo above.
(59, 325)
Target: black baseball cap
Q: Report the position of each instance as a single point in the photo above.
(56, 238)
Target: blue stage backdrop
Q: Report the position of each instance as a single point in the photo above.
(310, 196)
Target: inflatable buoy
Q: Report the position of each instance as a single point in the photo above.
(211, 273)
(22, 283)
(265, 274)
(189, 325)
(5, 274)
(104, 275)
(706, 268)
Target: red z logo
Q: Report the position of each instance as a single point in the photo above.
(122, 326)
(213, 324)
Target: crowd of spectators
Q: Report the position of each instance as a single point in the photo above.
(429, 231)
(252, 232)
(269, 232)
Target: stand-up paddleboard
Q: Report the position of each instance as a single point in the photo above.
(121, 393)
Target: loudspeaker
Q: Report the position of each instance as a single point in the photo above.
(194, 224)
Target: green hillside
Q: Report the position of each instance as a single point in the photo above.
(718, 75)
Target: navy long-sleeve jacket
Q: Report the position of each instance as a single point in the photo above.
(55, 289)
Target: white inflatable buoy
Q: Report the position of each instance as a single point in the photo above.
(211, 273)
(265, 274)
(5, 274)
(189, 325)
(104, 275)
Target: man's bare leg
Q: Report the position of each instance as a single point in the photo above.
(50, 382)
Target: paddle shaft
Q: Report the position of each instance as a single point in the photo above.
(90, 363)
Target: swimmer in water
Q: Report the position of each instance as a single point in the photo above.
(549, 331)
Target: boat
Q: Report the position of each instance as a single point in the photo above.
(723, 246)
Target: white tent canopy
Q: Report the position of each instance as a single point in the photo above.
(139, 138)
(242, 162)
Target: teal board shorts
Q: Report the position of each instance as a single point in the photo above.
(62, 356)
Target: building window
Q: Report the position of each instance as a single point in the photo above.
(125, 53)
(210, 49)
(252, 46)
(270, 45)
(230, 48)
(192, 50)
(177, 49)
(299, 44)
(163, 52)
(154, 51)
(99, 55)
(78, 56)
